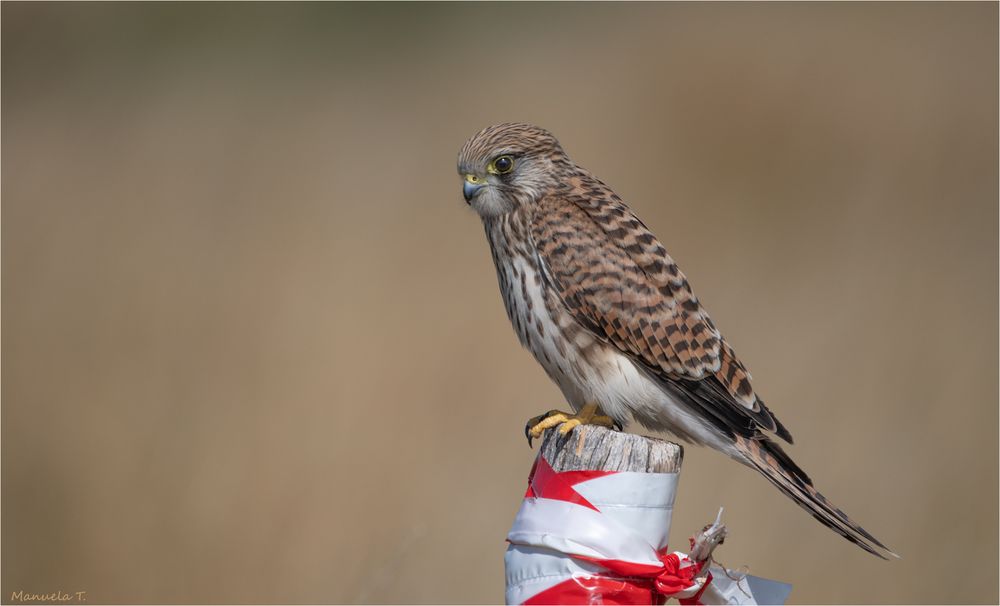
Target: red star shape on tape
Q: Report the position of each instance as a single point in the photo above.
(546, 483)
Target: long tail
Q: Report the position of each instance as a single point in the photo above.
(770, 460)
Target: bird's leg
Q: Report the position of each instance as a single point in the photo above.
(589, 414)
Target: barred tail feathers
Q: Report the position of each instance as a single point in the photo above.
(773, 463)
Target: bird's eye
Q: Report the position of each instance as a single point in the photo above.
(502, 165)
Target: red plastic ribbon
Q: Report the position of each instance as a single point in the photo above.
(627, 583)
(599, 589)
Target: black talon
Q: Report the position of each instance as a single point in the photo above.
(535, 421)
(618, 425)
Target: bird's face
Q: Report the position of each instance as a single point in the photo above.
(507, 166)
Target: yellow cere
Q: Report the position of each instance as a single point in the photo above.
(473, 179)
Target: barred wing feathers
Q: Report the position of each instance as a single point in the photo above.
(618, 281)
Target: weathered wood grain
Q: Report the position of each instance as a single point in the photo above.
(598, 448)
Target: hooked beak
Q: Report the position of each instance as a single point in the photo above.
(471, 185)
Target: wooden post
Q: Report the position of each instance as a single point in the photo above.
(592, 447)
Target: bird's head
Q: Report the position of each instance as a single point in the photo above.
(506, 166)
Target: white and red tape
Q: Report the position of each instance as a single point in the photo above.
(593, 537)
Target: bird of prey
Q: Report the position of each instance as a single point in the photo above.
(594, 296)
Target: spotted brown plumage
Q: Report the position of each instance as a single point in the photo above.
(611, 318)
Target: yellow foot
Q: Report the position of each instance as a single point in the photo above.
(590, 414)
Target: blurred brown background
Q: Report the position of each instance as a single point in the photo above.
(253, 348)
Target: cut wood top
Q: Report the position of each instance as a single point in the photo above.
(592, 447)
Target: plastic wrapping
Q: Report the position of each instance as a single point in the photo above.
(595, 537)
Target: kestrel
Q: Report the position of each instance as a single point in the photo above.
(594, 296)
